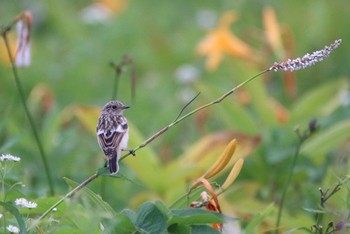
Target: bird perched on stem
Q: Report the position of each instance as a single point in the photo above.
(113, 133)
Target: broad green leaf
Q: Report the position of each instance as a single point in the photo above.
(162, 208)
(179, 229)
(121, 224)
(150, 219)
(203, 229)
(191, 216)
(13, 210)
(130, 213)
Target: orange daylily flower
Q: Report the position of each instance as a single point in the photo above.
(222, 41)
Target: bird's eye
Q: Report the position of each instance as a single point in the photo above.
(114, 107)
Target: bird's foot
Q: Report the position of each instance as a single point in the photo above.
(131, 151)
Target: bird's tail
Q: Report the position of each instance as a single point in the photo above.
(113, 164)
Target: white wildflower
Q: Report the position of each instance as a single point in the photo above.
(12, 229)
(0, 216)
(32, 205)
(307, 60)
(9, 157)
(22, 202)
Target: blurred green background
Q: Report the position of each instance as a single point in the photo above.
(71, 57)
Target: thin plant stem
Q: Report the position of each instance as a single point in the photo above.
(31, 122)
(69, 195)
(285, 189)
(178, 120)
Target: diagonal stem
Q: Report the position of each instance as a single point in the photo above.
(178, 120)
(69, 195)
(31, 122)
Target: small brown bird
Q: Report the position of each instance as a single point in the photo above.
(113, 133)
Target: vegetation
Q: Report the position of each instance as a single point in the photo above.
(228, 136)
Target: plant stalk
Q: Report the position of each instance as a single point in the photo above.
(31, 122)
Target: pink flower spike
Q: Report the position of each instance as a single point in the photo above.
(22, 57)
(307, 60)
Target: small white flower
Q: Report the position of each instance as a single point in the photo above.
(12, 229)
(54, 209)
(9, 157)
(32, 205)
(22, 202)
(0, 216)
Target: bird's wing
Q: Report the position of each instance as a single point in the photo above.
(109, 141)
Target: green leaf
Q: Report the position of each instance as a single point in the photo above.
(150, 219)
(103, 171)
(203, 229)
(194, 216)
(253, 224)
(13, 210)
(179, 229)
(121, 224)
(162, 208)
(131, 214)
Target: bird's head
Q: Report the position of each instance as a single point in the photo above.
(115, 107)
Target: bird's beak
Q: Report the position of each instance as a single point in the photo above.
(126, 107)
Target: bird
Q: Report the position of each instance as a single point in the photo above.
(113, 133)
